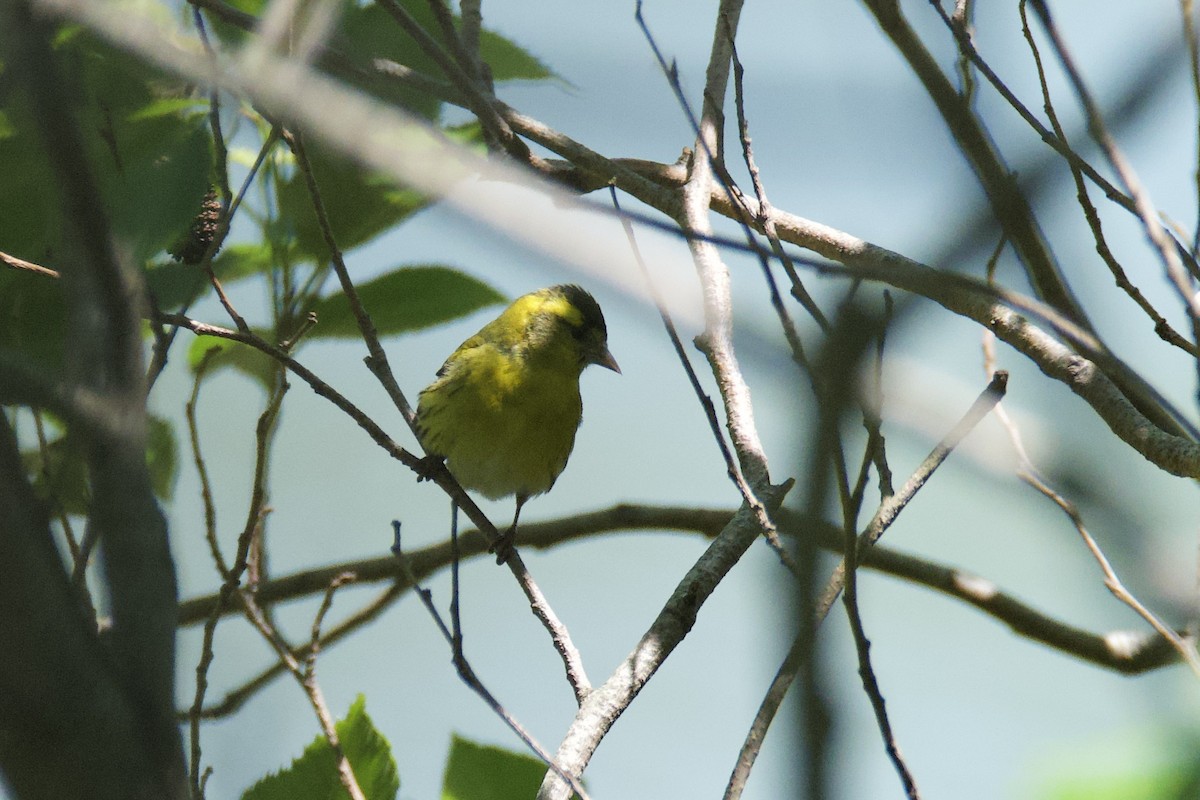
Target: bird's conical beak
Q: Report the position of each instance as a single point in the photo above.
(606, 360)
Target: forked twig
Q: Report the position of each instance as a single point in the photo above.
(1183, 645)
(706, 403)
(1161, 326)
(884, 517)
(1158, 236)
(305, 675)
(453, 637)
(890, 508)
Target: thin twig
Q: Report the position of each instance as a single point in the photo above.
(468, 61)
(1009, 204)
(223, 227)
(890, 508)
(210, 535)
(875, 450)
(206, 496)
(377, 434)
(454, 639)
(1154, 68)
(237, 697)
(862, 645)
(867, 672)
(884, 516)
(471, 29)
(1028, 473)
(455, 596)
(1183, 645)
(799, 291)
(232, 575)
(12, 262)
(850, 501)
(1187, 11)
(837, 368)
(164, 339)
(750, 469)
(1161, 241)
(1163, 328)
(80, 552)
(220, 148)
(497, 128)
(377, 360)
(960, 20)
(706, 403)
(314, 640)
(312, 690)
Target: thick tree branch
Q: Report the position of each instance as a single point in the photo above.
(79, 734)
(104, 342)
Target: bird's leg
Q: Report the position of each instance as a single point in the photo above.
(429, 466)
(503, 546)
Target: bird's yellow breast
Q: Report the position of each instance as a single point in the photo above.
(504, 422)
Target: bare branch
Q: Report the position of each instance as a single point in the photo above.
(1124, 653)
(1008, 202)
(12, 262)
(1159, 239)
(466, 673)
(307, 680)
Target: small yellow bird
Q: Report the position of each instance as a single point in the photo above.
(505, 406)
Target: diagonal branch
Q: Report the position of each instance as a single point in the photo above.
(1009, 203)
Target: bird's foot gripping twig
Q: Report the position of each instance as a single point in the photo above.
(503, 546)
(429, 466)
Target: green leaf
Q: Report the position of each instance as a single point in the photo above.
(1161, 785)
(229, 354)
(244, 260)
(313, 776)
(147, 140)
(368, 35)
(162, 456)
(30, 224)
(1137, 764)
(233, 34)
(33, 315)
(60, 472)
(480, 772)
(406, 299)
(469, 134)
(144, 140)
(509, 62)
(174, 284)
(360, 205)
(155, 179)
